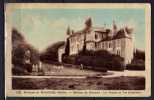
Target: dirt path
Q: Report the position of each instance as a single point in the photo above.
(126, 73)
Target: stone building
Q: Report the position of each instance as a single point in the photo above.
(61, 51)
(114, 40)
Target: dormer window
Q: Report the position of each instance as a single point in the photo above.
(103, 36)
(108, 30)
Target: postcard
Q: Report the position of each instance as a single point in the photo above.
(78, 50)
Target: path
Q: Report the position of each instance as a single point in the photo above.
(108, 74)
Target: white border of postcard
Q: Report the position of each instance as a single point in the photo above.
(9, 7)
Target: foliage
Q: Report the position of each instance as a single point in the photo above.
(19, 47)
(50, 55)
(138, 62)
(135, 67)
(67, 50)
(96, 59)
(139, 54)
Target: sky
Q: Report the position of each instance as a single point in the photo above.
(42, 27)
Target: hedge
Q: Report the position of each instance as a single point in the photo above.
(135, 67)
(96, 59)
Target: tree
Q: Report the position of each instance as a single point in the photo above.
(19, 47)
(50, 55)
(67, 48)
(96, 60)
(139, 54)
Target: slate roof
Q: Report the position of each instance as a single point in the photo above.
(77, 33)
(121, 33)
(97, 29)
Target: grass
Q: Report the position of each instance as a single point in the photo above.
(89, 83)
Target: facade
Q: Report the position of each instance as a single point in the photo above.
(116, 41)
(61, 51)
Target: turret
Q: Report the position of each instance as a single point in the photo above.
(72, 32)
(88, 23)
(129, 31)
(114, 27)
(68, 32)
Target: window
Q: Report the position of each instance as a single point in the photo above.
(78, 47)
(96, 45)
(103, 36)
(105, 45)
(109, 44)
(96, 36)
(118, 52)
(102, 46)
(118, 43)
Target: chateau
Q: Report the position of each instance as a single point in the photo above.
(114, 40)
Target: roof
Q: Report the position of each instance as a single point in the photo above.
(77, 33)
(97, 29)
(121, 34)
(62, 46)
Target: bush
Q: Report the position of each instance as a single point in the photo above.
(19, 71)
(139, 54)
(69, 59)
(135, 67)
(138, 62)
(19, 47)
(97, 60)
(50, 55)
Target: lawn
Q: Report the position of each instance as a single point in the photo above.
(88, 83)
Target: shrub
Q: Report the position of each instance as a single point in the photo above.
(139, 54)
(50, 55)
(135, 67)
(97, 60)
(138, 62)
(69, 59)
(19, 47)
(19, 70)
